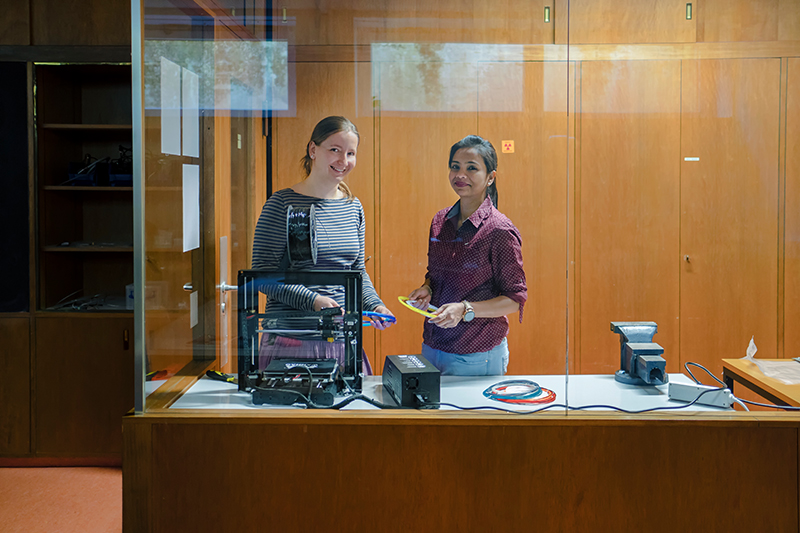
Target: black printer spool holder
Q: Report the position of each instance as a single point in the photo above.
(248, 316)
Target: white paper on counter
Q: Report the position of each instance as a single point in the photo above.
(787, 371)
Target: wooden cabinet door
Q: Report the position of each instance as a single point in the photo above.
(526, 102)
(622, 21)
(628, 229)
(347, 22)
(791, 266)
(740, 20)
(729, 208)
(15, 25)
(95, 22)
(15, 392)
(83, 384)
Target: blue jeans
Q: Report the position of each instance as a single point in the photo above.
(491, 363)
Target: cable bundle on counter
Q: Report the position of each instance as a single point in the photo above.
(519, 391)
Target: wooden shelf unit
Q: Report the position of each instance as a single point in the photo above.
(85, 231)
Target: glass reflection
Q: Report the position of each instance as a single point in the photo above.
(650, 170)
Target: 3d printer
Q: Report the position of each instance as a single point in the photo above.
(288, 381)
(311, 381)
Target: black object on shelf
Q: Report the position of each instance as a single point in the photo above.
(120, 170)
(89, 172)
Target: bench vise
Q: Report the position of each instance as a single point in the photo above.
(640, 358)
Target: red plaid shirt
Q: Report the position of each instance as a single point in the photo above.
(479, 261)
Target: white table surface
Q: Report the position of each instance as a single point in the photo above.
(465, 391)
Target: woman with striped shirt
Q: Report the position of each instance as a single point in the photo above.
(330, 156)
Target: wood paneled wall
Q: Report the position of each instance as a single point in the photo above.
(729, 208)
(629, 191)
(413, 187)
(616, 224)
(665, 21)
(535, 195)
(791, 230)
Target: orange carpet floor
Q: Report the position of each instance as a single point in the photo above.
(62, 499)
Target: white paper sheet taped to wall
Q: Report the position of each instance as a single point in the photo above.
(787, 371)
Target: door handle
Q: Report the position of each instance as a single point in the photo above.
(224, 287)
(187, 287)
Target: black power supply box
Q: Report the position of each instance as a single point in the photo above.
(409, 376)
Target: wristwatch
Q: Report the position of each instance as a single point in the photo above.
(469, 312)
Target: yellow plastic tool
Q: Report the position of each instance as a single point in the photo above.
(404, 300)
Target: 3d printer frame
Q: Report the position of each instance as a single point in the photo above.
(249, 317)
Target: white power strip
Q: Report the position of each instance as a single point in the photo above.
(688, 392)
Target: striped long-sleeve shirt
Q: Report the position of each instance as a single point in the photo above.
(340, 246)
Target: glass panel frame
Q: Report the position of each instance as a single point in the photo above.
(628, 161)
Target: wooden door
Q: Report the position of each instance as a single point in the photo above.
(15, 27)
(740, 20)
(629, 198)
(791, 234)
(729, 208)
(84, 384)
(622, 21)
(348, 22)
(90, 23)
(526, 102)
(15, 394)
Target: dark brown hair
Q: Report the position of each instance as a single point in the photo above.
(325, 128)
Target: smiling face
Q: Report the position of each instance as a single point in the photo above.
(468, 175)
(334, 157)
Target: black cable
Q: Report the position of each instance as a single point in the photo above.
(432, 405)
(786, 407)
(306, 399)
(361, 397)
(698, 365)
(350, 399)
(575, 408)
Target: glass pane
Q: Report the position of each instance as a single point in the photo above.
(682, 222)
(231, 97)
(206, 92)
(644, 158)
